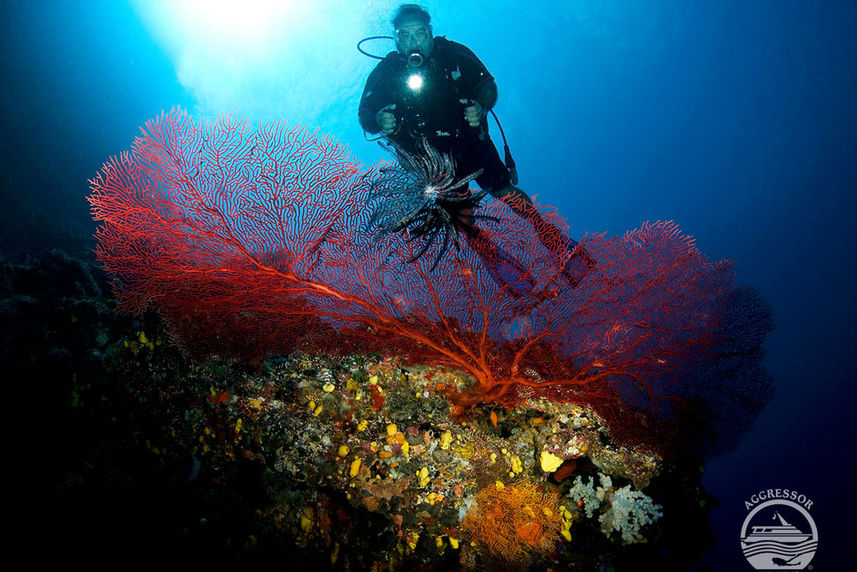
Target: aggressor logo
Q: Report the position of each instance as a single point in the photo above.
(778, 532)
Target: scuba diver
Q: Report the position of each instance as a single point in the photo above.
(433, 92)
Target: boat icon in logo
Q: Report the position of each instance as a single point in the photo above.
(784, 532)
(772, 541)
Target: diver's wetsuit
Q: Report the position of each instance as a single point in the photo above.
(434, 111)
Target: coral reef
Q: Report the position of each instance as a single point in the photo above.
(253, 242)
(354, 401)
(327, 463)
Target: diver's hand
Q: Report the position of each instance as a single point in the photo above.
(472, 113)
(386, 120)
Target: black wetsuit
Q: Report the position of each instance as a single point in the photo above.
(434, 111)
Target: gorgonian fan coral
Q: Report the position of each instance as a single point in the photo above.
(253, 241)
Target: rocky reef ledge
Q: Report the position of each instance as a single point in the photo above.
(351, 463)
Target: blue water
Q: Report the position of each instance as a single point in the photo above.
(737, 120)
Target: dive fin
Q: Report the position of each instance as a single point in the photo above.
(578, 264)
(502, 267)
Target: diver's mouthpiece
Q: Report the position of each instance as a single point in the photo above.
(415, 59)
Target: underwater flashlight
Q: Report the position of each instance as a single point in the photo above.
(415, 59)
(415, 81)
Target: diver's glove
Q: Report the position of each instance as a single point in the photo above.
(386, 120)
(473, 113)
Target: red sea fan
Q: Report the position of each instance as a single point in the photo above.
(253, 240)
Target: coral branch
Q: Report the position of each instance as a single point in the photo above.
(251, 241)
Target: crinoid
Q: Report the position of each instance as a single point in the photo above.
(423, 197)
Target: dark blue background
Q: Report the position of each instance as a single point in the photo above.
(737, 120)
